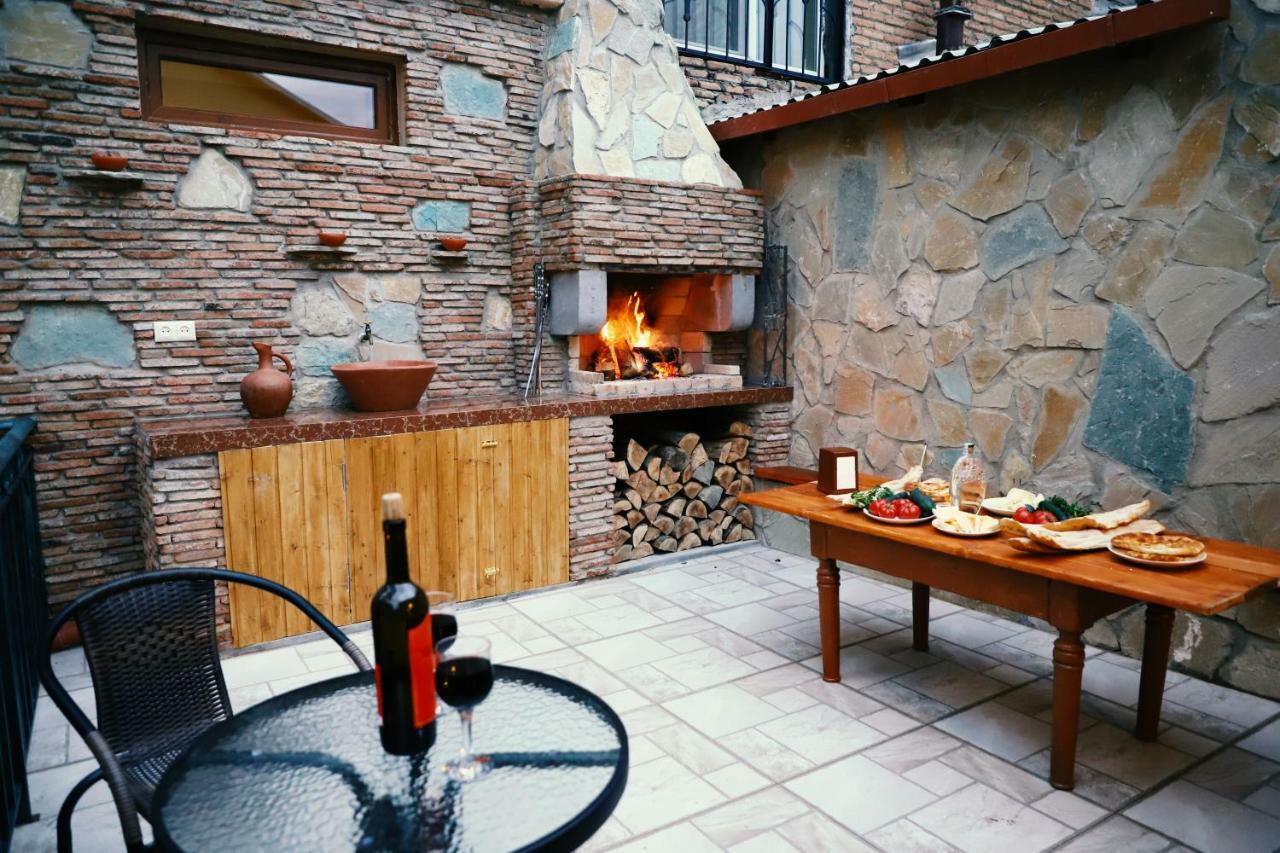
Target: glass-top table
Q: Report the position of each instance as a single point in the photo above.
(306, 771)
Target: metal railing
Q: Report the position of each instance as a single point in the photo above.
(23, 618)
(801, 39)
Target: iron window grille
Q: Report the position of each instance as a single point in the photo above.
(802, 39)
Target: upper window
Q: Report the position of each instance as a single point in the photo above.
(800, 38)
(206, 81)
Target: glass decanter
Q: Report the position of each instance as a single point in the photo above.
(968, 481)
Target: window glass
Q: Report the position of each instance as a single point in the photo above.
(736, 30)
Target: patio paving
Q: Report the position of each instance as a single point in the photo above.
(737, 744)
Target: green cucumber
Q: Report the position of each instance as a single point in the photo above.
(1053, 509)
(899, 496)
(922, 501)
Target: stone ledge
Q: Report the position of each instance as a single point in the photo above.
(177, 437)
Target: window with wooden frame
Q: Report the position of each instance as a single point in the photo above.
(214, 81)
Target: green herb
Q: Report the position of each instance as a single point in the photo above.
(863, 499)
(1063, 508)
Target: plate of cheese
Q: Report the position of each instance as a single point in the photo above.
(953, 522)
(1009, 504)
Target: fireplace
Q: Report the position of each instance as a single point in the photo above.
(638, 334)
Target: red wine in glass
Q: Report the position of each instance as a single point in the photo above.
(444, 627)
(464, 677)
(464, 682)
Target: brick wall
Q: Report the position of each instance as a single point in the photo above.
(142, 259)
(590, 495)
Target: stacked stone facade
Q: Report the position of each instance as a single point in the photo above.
(1075, 266)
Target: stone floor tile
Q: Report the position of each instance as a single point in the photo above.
(732, 593)
(94, 828)
(641, 749)
(1116, 683)
(750, 618)
(243, 698)
(570, 631)
(737, 780)
(789, 699)
(785, 645)
(606, 837)
(682, 837)
(48, 788)
(1120, 755)
(727, 641)
(647, 718)
(1234, 773)
(860, 793)
(543, 644)
(749, 816)
(1222, 702)
(1201, 723)
(693, 750)
(1091, 784)
(903, 836)
(768, 842)
(722, 710)
(592, 676)
(937, 778)
(821, 733)
(504, 649)
(1066, 807)
(890, 722)
(815, 831)
(652, 683)
(244, 669)
(842, 698)
(1265, 741)
(778, 678)
(979, 818)
(1265, 800)
(667, 582)
(912, 749)
(687, 643)
(809, 632)
(686, 627)
(1205, 820)
(704, 668)
(554, 605)
(765, 754)
(860, 591)
(860, 667)
(1185, 741)
(48, 746)
(999, 729)
(618, 620)
(1117, 834)
(660, 792)
(951, 684)
(997, 773)
(964, 629)
(625, 651)
(521, 628)
(1022, 659)
(907, 701)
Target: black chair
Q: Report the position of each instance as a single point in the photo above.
(152, 647)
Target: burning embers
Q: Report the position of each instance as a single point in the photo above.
(630, 348)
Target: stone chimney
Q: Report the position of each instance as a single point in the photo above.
(617, 103)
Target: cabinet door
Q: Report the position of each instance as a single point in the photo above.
(284, 518)
(532, 502)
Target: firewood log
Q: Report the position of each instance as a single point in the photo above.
(621, 506)
(739, 486)
(634, 517)
(637, 534)
(711, 496)
(734, 534)
(651, 511)
(727, 451)
(642, 483)
(633, 497)
(675, 506)
(716, 537)
(626, 552)
(652, 466)
(716, 515)
(739, 428)
(748, 534)
(668, 476)
(661, 493)
(745, 517)
(698, 456)
(696, 509)
(644, 549)
(728, 503)
(704, 530)
(692, 488)
(665, 544)
(689, 540)
(619, 470)
(668, 455)
(651, 534)
(621, 537)
(744, 468)
(725, 475)
(636, 453)
(665, 523)
(704, 472)
(685, 441)
(726, 522)
(620, 522)
(684, 526)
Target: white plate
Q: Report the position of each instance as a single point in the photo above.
(1158, 564)
(939, 526)
(868, 514)
(998, 508)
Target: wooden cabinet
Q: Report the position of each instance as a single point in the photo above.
(488, 511)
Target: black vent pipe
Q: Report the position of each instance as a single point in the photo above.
(950, 19)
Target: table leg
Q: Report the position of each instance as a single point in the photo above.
(829, 618)
(1155, 661)
(1068, 669)
(920, 616)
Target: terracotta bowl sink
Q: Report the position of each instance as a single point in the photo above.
(385, 386)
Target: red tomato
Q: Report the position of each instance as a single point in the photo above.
(900, 508)
(1023, 515)
(909, 509)
(881, 508)
(1043, 516)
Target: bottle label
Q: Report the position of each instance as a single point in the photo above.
(422, 673)
(377, 684)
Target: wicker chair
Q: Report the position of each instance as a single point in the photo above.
(152, 648)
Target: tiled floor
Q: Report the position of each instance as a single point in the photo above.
(737, 744)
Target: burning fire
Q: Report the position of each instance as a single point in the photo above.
(630, 350)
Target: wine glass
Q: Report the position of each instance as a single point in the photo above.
(444, 619)
(464, 677)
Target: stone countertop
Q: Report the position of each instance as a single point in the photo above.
(171, 438)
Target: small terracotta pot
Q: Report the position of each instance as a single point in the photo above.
(453, 244)
(104, 161)
(385, 386)
(332, 239)
(266, 392)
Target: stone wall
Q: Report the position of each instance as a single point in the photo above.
(1078, 266)
(205, 235)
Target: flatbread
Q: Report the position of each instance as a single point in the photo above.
(1158, 546)
(1087, 540)
(1023, 544)
(1103, 520)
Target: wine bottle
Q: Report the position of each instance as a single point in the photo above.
(404, 661)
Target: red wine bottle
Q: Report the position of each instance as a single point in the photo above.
(404, 661)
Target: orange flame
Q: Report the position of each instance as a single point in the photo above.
(628, 330)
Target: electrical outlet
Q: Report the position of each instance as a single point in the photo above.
(175, 330)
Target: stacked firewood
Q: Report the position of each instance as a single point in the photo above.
(677, 490)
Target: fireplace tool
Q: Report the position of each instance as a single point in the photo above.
(541, 305)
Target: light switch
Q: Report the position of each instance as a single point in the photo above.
(175, 330)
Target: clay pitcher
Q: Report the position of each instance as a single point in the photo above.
(267, 391)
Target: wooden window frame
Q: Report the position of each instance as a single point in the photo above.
(384, 75)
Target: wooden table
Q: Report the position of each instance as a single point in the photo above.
(1069, 591)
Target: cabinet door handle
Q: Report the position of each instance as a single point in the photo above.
(491, 572)
(489, 442)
